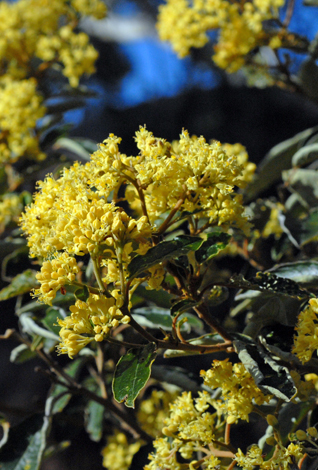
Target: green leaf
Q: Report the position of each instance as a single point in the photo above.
(94, 420)
(215, 243)
(277, 159)
(182, 378)
(26, 444)
(310, 3)
(132, 373)
(268, 281)
(269, 376)
(305, 155)
(59, 393)
(94, 413)
(305, 183)
(182, 306)
(82, 293)
(300, 231)
(21, 354)
(163, 251)
(21, 284)
(32, 328)
(159, 297)
(209, 339)
(303, 272)
(73, 146)
(5, 431)
(62, 105)
(155, 317)
(52, 314)
(64, 300)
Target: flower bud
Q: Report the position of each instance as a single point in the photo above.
(271, 441)
(312, 432)
(301, 435)
(271, 420)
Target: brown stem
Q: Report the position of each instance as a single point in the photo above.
(165, 224)
(301, 461)
(131, 424)
(139, 328)
(227, 433)
(100, 362)
(124, 343)
(137, 185)
(232, 465)
(229, 447)
(142, 199)
(92, 290)
(166, 344)
(204, 314)
(289, 13)
(170, 289)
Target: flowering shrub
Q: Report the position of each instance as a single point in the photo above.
(131, 257)
(250, 35)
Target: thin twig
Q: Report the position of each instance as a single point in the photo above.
(204, 314)
(289, 13)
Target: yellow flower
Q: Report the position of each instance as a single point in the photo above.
(55, 274)
(20, 108)
(154, 410)
(118, 454)
(10, 210)
(94, 318)
(192, 173)
(306, 341)
(238, 390)
(186, 24)
(44, 30)
(281, 459)
(188, 428)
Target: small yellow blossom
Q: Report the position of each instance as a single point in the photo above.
(154, 410)
(55, 274)
(35, 28)
(281, 459)
(186, 24)
(188, 428)
(90, 320)
(20, 108)
(239, 391)
(10, 210)
(306, 341)
(118, 454)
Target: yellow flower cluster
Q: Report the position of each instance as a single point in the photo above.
(306, 341)
(70, 49)
(151, 414)
(90, 320)
(281, 460)
(55, 274)
(191, 174)
(20, 108)
(10, 210)
(239, 391)
(242, 159)
(71, 213)
(28, 26)
(188, 429)
(153, 411)
(118, 454)
(186, 24)
(68, 215)
(72, 216)
(36, 35)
